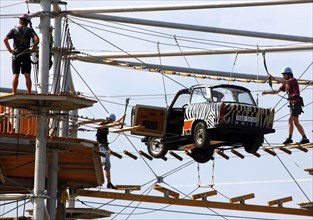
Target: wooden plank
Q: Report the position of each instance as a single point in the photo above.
(128, 187)
(130, 154)
(306, 205)
(109, 125)
(134, 128)
(285, 150)
(269, 151)
(221, 153)
(167, 192)
(237, 153)
(195, 203)
(175, 155)
(280, 201)
(91, 121)
(187, 147)
(115, 154)
(145, 155)
(242, 198)
(204, 195)
(310, 170)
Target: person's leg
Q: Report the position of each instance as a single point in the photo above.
(16, 64)
(28, 82)
(15, 82)
(290, 130)
(298, 126)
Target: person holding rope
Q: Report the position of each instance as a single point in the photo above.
(21, 61)
(102, 138)
(291, 87)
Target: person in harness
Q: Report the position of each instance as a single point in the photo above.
(21, 61)
(291, 87)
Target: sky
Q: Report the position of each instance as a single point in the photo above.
(267, 177)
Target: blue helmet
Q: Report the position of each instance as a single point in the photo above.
(111, 116)
(287, 70)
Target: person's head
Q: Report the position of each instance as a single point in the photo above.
(111, 117)
(287, 73)
(24, 20)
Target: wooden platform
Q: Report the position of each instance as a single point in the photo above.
(79, 165)
(48, 101)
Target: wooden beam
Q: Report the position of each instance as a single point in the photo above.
(204, 195)
(109, 125)
(237, 153)
(115, 154)
(310, 170)
(270, 151)
(285, 150)
(128, 188)
(145, 155)
(196, 203)
(242, 198)
(175, 155)
(306, 205)
(167, 192)
(130, 154)
(134, 128)
(221, 153)
(280, 201)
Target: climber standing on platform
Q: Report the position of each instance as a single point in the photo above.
(21, 51)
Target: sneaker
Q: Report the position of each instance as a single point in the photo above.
(304, 141)
(288, 141)
(111, 186)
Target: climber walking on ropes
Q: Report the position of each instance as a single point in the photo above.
(102, 138)
(291, 87)
(21, 61)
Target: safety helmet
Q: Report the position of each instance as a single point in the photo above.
(286, 70)
(111, 116)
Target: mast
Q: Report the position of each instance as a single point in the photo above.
(41, 138)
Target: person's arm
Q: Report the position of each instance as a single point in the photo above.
(271, 92)
(7, 45)
(277, 79)
(36, 42)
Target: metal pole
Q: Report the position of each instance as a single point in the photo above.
(196, 27)
(52, 187)
(220, 4)
(215, 51)
(41, 138)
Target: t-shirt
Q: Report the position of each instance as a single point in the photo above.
(292, 89)
(21, 36)
(102, 134)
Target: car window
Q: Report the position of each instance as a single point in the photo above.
(181, 100)
(231, 94)
(198, 95)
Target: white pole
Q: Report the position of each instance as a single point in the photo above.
(196, 27)
(215, 51)
(41, 139)
(218, 4)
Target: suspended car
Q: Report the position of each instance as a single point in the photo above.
(209, 117)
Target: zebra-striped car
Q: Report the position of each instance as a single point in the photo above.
(204, 118)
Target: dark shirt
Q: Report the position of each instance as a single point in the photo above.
(21, 36)
(292, 89)
(102, 134)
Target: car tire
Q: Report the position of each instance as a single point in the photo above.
(254, 145)
(202, 155)
(156, 148)
(201, 135)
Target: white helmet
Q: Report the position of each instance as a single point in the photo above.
(111, 116)
(286, 70)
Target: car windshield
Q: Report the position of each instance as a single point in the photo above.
(231, 94)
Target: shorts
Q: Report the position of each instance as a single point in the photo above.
(105, 159)
(295, 109)
(21, 64)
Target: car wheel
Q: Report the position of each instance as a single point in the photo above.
(156, 148)
(254, 145)
(201, 136)
(202, 155)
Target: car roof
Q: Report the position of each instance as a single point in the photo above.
(220, 85)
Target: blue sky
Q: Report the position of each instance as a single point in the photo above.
(265, 176)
